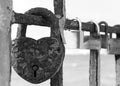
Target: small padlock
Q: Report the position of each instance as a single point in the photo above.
(80, 34)
(114, 44)
(93, 41)
(88, 42)
(38, 60)
(104, 38)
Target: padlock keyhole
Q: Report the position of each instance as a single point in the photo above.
(35, 68)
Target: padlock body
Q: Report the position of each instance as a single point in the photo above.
(92, 43)
(113, 46)
(37, 60)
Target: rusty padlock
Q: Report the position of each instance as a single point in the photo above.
(38, 60)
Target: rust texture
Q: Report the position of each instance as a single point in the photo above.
(37, 60)
(29, 19)
(58, 7)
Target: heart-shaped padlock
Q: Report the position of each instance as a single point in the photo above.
(38, 60)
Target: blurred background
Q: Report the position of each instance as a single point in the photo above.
(76, 63)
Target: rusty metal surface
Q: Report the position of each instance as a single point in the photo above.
(45, 53)
(69, 25)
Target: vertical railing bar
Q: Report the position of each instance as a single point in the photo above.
(117, 66)
(59, 9)
(94, 69)
(5, 41)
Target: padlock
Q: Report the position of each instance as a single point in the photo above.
(79, 33)
(89, 42)
(38, 60)
(104, 38)
(93, 41)
(113, 44)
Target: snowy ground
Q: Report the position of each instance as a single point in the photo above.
(76, 72)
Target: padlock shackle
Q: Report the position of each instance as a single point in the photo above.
(96, 27)
(47, 16)
(81, 34)
(106, 26)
